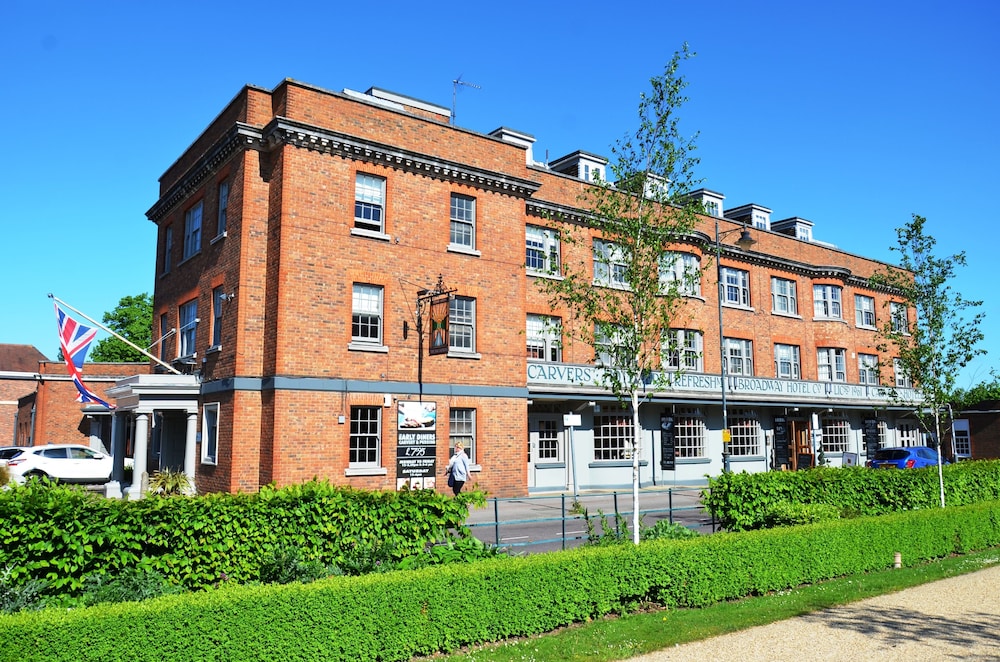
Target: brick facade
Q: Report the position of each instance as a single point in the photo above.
(286, 373)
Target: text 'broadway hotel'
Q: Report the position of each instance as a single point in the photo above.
(301, 232)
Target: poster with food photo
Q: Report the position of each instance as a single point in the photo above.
(412, 415)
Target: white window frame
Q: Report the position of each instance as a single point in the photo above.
(827, 302)
(899, 317)
(682, 269)
(836, 432)
(864, 311)
(218, 297)
(541, 251)
(603, 356)
(689, 432)
(963, 438)
(613, 436)
(739, 356)
(187, 329)
(462, 428)
(683, 349)
(543, 334)
(744, 433)
(902, 379)
(462, 325)
(367, 303)
(549, 447)
(192, 230)
(369, 203)
(784, 300)
(223, 214)
(610, 266)
(210, 433)
(735, 287)
(868, 369)
(462, 215)
(787, 361)
(908, 434)
(831, 364)
(365, 437)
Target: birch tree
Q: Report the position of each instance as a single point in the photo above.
(625, 285)
(931, 346)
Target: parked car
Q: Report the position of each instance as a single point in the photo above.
(69, 463)
(904, 457)
(8, 452)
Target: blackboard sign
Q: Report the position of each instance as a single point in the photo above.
(804, 460)
(416, 461)
(782, 457)
(667, 446)
(870, 432)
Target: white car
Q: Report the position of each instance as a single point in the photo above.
(68, 463)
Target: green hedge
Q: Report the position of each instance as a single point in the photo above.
(398, 615)
(741, 501)
(61, 535)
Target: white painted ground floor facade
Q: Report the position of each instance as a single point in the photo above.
(580, 437)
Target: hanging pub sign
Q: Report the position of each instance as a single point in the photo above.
(668, 449)
(439, 325)
(416, 445)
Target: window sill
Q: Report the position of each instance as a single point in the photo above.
(218, 238)
(370, 234)
(790, 315)
(366, 471)
(367, 347)
(209, 463)
(189, 258)
(475, 356)
(736, 306)
(465, 250)
(607, 464)
(214, 349)
(746, 458)
(544, 274)
(865, 327)
(830, 319)
(692, 460)
(550, 465)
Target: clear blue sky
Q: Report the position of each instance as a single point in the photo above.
(853, 115)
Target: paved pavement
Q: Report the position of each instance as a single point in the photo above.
(951, 619)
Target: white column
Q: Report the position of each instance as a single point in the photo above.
(141, 451)
(190, 437)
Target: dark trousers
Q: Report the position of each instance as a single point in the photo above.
(457, 487)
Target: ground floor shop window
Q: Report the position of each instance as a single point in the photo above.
(462, 429)
(548, 441)
(836, 433)
(613, 435)
(744, 429)
(689, 431)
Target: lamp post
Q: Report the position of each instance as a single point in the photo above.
(744, 242)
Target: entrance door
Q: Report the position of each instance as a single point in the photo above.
(801, 440)
(547, 452)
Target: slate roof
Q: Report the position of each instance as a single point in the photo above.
(20, 358)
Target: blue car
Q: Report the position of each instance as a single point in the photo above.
(904, 457)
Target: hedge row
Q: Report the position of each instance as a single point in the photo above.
(398, 615)
(61, 535)
(741, 501)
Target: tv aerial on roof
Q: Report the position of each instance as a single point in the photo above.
(454, 93)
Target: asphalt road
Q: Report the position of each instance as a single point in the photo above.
(547, 522)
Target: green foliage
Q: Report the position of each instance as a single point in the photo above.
(982, 392)
(15, 597)
(130, 585)
(402, 615)
(169, 483)
(61, 535)
(793, 514)
(667, 530)
(132, 319)
(741, 501)
(939, 341)
(285, 565)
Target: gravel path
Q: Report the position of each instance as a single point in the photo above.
(951, 619)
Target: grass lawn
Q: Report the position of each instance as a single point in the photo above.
(617, 638)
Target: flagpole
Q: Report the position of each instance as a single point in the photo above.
(124, 340)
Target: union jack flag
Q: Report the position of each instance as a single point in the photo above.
(74, 341)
